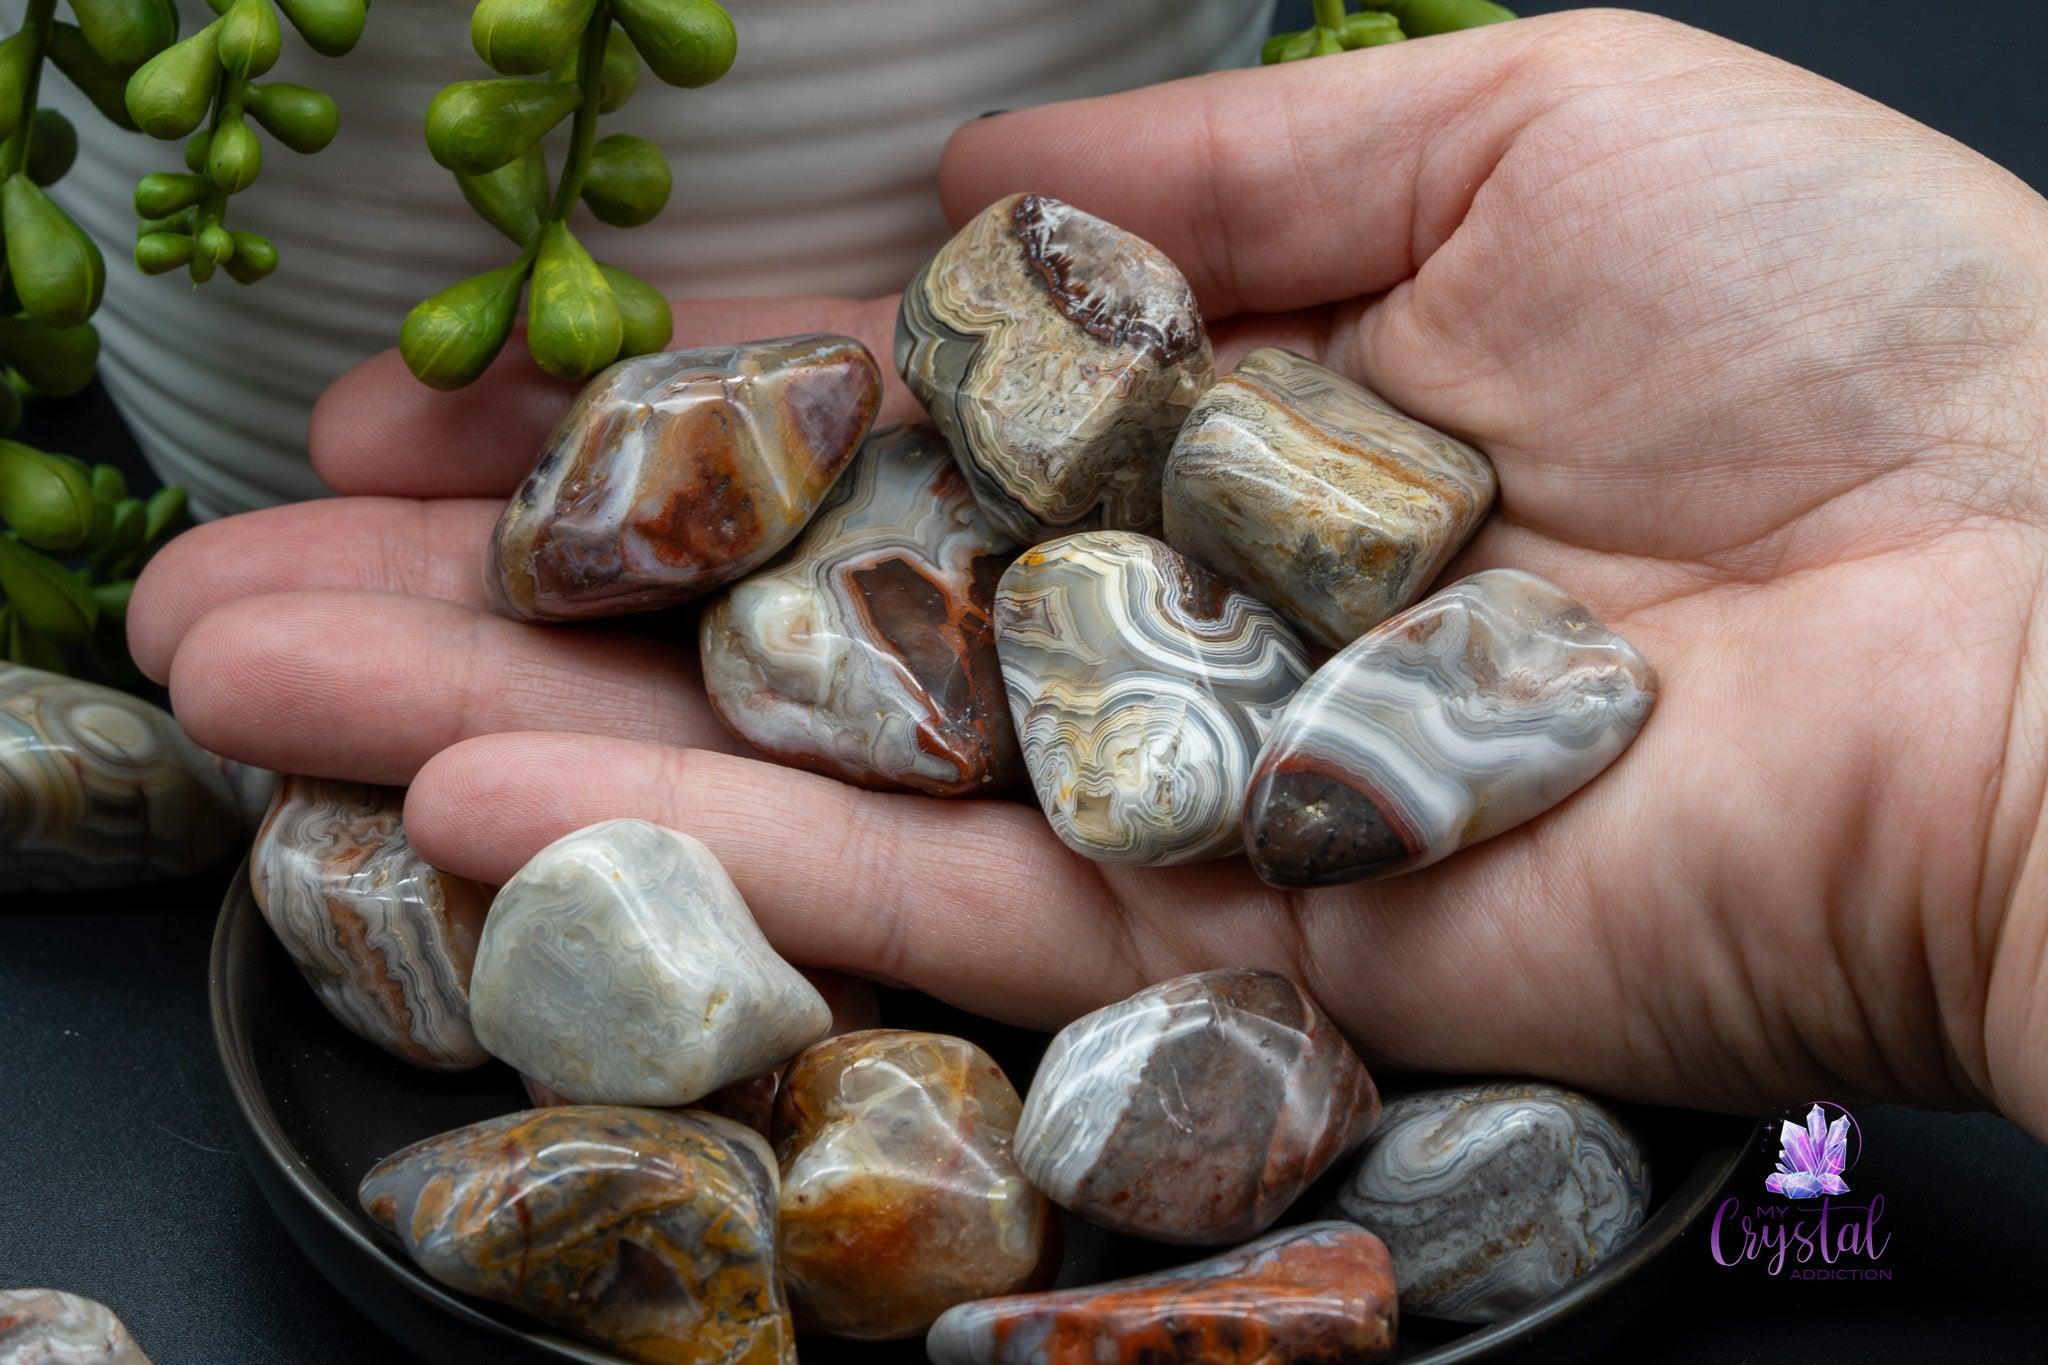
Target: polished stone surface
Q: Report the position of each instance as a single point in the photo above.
(1319, 1294)
(98, 789)
(676, 472)
(867, 653)
(900, 1194)
(384, 940)
(1494, 1196)
(1197, 1110)
(1477, 709)
(1141, 687)
(650, 1234)
(1318, 497)
(620, 966)
(51, 1327)
(1058, 355)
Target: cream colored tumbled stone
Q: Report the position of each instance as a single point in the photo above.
(620, 966)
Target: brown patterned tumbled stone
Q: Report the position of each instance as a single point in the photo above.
(677, 472)
(1058, 355)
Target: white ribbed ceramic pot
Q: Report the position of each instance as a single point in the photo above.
(808, 169)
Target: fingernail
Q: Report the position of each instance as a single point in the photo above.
(991, 113)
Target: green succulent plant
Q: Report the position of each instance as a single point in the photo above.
(1383, 21)
(557, 60)
(71, 542)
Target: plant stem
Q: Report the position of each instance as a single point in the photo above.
(36, 22)
(583, 131)
(1329, 13)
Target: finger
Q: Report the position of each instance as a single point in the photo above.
(377, 430)
(385, 545)
(975, 902)
(368, 686)
(1293, 185)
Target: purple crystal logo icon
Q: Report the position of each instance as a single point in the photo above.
(1811, 1159)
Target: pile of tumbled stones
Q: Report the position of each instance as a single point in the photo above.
(718, 1158)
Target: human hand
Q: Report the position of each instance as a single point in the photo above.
(1760, 367)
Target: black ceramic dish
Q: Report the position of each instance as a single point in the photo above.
(316, 1107)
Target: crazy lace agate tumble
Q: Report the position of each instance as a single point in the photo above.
(384, 940)
(1469, 713)
(98, 789)
(676, 472)
(1141, 687)
(1494, 1196)
(1197, 1110)
(51, 1327)
(620, 966)
(900, 1195)
(1057, 354)
(867, 654)
(1318, 1294)
(1318, 497)
(650, 1234)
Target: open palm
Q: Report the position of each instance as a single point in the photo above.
(1759, 367)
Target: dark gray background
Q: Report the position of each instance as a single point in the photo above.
(118, 1172)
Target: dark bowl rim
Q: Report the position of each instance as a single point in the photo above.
(1704, 1179)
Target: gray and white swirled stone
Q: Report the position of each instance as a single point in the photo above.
(868, 653)
(51, 1327)
(1319, 497)
(384, 940)
(620, 966)
(1494, 1196)
(1142, 687)
(1058, 355)
(1473, 711)
(1197, 1110)
(98, 788)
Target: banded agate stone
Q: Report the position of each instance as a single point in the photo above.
(620, 966)
(1469, 713)
(98, 789)
(1318, 1294)
(1141, 687)
(1494, 1196)
(900, 1195)
(1197, 1110)
(868, 654)
(676, 472)
(1058, 355)
(649, 1234)
(384, 940)
(1316, 496)
(51, 1327)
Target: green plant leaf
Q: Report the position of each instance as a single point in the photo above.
(105, 85)
(621, 71)
(474, 127)
(27, 646)
(163, 193)
(234, 158)
(165, 515)
(573, 327)
(449, 339)
(56, 270)
(46, 499)
(1372, 28)
(48, 597)
(249, 38)
(300, 117)
(526, 37)
(126, 530)
(212, 245)
(330, 27)
(17, 62)
(159, 253)
(54, 361)
(255, 257)
(52, 147)
(171, 94)
(686, 42)
(1421, 18)
(514, 198)
(127, 33)
(644, 317)
(628, 182)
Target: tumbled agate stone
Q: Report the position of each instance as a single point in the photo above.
(51, 1327)
(1318, 1294)
(620, 966)
(1141, 687)
(900, 1195)
(1479, 708)
(1317, 497)
(650, 1234)
(384, 940)
(676, 472)
(867, 653)
(1494, 1196)
(1197, 1110)
(98, 788)
(1058, 355)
